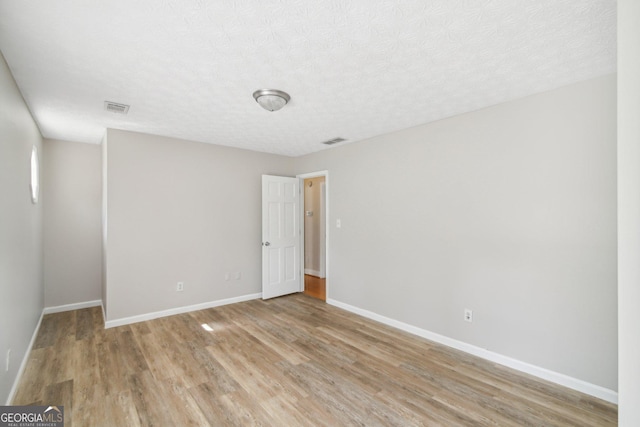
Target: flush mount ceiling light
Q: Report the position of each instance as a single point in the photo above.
(271, 99)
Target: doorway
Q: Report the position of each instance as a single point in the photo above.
(314, 220)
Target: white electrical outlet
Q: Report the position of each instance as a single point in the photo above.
(468, 315)
(8, 360)
(180, 287)
(238, 275)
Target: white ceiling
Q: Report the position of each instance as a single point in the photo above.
(354, 69)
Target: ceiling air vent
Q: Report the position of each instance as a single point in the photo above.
(114, 107)
(333, 141)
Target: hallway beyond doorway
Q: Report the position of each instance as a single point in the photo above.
(315, 287)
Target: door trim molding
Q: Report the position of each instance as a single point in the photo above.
(327, 228)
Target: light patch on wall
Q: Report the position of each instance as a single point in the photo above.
(35, 175)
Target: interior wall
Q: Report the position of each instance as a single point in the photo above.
(181, 211)
(21, 277)
(629, 210)
(72, 227)
(312, 225)
(509, 211)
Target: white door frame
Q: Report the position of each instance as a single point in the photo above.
(323, 230)
(302, 177)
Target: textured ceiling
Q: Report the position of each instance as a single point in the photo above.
(354, 69)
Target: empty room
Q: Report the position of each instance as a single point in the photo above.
(331, 213)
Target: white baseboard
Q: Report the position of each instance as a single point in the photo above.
(23, 364)
(178, 310)
(315, 273)
(543, 373)
(46, 310)
(74, 306)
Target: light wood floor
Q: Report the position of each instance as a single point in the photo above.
(284, 362)
(315, 287)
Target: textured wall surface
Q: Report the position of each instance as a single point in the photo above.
(509, 211)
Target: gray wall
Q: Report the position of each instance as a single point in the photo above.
(509, 211)
(181, 211)
(72, 228)
(21, 278)
(629, 210)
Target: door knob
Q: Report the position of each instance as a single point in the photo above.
(267, 244)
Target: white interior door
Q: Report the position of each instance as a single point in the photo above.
(281, 242)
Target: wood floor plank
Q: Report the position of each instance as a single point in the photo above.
(212, 372)
(285, 412)
(120, 410)
(129, 354)
(281, 348)
(140, 329)
(90, 409)
(287, 361)
(186, 366)
(413, 415)
(113, 374)
(150, 401)
(36, 377)
(258, 377)
(371, 349)
(53, 327)
(88, 388)
(246, 410)
(212, 407)
(184, 409)
(155, 352)
(61, 394)
(329, 391)
(88, 321)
